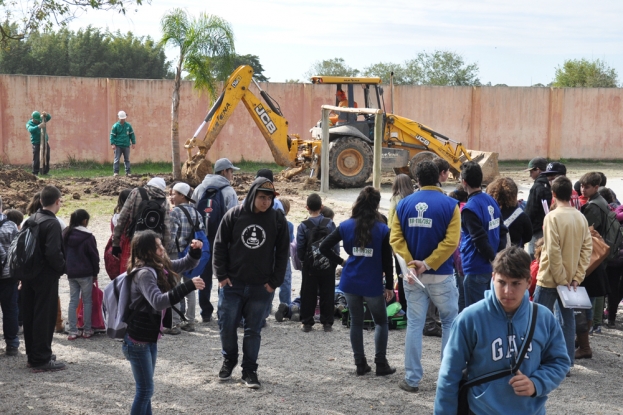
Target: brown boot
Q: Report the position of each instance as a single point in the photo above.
(60, 328)
(584, 351)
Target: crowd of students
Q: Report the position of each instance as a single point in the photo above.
(451, 245)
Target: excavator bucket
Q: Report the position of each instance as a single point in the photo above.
(488, 161)
(195, 169)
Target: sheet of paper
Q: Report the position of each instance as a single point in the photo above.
(545, 206)
(404, 270)
(574, 299)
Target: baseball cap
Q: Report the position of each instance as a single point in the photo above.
(555, 168)
(223, 164)
(184, 189)
(268, 186)
(537, 162)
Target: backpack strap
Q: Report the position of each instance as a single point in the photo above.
(143, 193)
(509, 221)
(194, 225)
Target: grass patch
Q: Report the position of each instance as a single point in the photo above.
(96, 206)
(91, 168)
(252, 167)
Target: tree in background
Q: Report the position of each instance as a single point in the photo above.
(383, 70)
(88, 53)
(331, 67)
(440, 68)
(22, 19)
(224, 67)
(584, 73)
(201, 41)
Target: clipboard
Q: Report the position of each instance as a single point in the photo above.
(574, 299)
(404, 270)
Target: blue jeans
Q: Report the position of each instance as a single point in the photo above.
(235, 302)
(445, 296)
(285, 291)
(376, 305)
(548, 297)
(126, 159)
(76, 287)
(8, 303)
(459, 285)
(474, 286)
(142, 357)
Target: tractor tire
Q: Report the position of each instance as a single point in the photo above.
(350, 162)
(418, 158)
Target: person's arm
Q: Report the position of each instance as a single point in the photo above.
(448, 245)
(326, 247)
(593, 214)
(301, 241)
(32, 128)
(94, 255)
(48, 117)
(282, 249)
(148, 287)
(503, 233)
(125, 217)
(113, 133)
(526, 228)
(190, 261)
(387, 258)
(54, 255)
(336, 247)
(220, 250)
(478, 234)
(585, 256)
(398, 242)
(554, 254)
(175, 229)
(131, 134)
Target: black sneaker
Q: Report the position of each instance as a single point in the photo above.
(435, 332)
(51, 366)
(250, 379)
(281, 311)
(11, 351)
(225, 372)
(306, 328)
(327, 328)
(53, 357)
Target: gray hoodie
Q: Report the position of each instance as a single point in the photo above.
(229, 194)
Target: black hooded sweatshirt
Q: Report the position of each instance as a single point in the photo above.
(252, 247)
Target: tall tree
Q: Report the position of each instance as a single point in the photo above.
(440, 68)
(224, 67)
(585, 73)
(383, 71)
(199, 41)
(23, 18)
(331, 67)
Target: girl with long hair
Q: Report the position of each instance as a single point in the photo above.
(83, 265)
(366, 241)
(504, 191)
(154, 289)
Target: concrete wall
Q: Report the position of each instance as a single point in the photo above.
(519, 123)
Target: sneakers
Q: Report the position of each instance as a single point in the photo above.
(225, 372)
(72, 336)
(11, 351)
(53, 357)
(295, 317)
(250, 379)
(435, 332)
(611, 324)
(51, 366)
(327, 328)
(405, 387)
(115, 174)
(175, 330)
(206, 319)
(295, 309)
(189, 327)
(596, 329)
(281, 311)
(306, 328)
(128, 175)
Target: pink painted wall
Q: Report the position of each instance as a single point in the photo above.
(519, 123)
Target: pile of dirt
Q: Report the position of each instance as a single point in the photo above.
(18, 186)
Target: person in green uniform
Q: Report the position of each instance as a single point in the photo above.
(34, 126)
(121, 137)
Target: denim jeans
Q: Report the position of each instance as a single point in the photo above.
(285, 291)
(126, 159)
(459, 285)
(142, 357)
(474, 286)
(376, 305)
(235, 302)
(548, 297)
(8, 303)
(445, 297)
(79, 286)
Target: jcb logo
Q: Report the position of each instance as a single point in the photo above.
(235, 83)
(422, 140)
(261, 112)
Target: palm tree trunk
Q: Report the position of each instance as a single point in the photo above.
(175, 132)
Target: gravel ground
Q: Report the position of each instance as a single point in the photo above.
(302, 373)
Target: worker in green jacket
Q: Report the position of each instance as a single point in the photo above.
(34, 126)
(121, 137)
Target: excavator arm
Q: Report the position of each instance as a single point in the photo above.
(267, 117)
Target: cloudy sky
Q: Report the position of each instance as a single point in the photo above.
(514, 43)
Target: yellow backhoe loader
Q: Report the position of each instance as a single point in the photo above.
(405, 142)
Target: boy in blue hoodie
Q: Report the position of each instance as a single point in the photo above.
(486, 338)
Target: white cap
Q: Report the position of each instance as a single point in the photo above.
(184, 189)
(122, 115)
(157, 182)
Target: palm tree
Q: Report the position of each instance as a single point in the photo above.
(199, 41)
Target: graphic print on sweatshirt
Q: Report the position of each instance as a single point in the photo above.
(421, 221)
(493, 223)
(253, 236)
(497, 349)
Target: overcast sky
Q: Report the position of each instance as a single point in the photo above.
(514, 43)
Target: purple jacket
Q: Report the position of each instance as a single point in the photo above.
(83, 259)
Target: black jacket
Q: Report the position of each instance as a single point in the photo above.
(83, 259)
(596, 282)
(252, 247)
(520, 230)
(540, 190)
(51, 243)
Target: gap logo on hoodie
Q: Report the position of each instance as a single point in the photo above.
(497, 349)
(494, 222)
(421, 221)
(253, 236)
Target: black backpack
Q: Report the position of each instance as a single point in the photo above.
(150, 215)
(613, 232)
(25, 257)
(211, 206)
(2, 250)
(314, 260)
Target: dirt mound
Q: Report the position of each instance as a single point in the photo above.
(18, 186)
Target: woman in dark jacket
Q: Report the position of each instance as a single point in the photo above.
(504, 191)
(154, 289)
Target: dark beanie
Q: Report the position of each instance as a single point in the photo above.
(266, 173)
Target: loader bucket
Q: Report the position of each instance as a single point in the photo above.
(488, 161)
(195, 170)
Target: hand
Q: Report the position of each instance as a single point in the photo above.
(420, 268)
(44, 114)
(133, 145)
(40, 126)
(19, 286)
(410, 277)
(113, 146)
(269, 288)
(573, 284)
(225, 282)
(196, 244)
(389, 294)
(116, 251)
(522, 385)
(199, 283)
